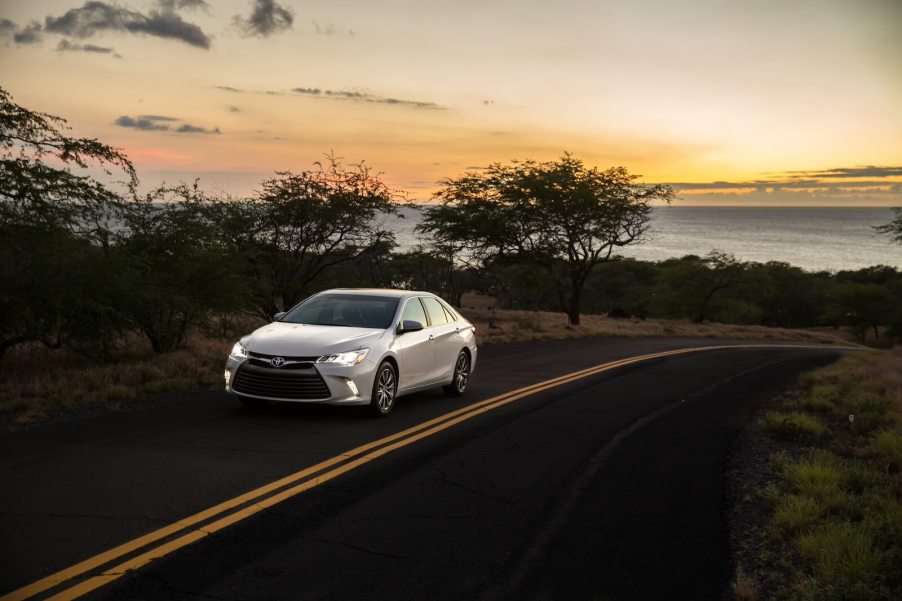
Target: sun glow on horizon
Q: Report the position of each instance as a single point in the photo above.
(678, 93)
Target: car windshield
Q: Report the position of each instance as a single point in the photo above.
(349, 310)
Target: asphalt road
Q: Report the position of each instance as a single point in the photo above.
(607, 487)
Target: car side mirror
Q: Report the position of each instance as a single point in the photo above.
(409, 325)
(279, 315)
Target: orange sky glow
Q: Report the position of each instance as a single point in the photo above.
(732, 102)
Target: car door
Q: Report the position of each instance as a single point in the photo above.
(446, 338)
(416, 350)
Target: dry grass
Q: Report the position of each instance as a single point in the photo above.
(35, 382)
(493, 327)
(836, 502)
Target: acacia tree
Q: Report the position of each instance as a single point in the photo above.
(301, 225)
(894, 227)
(55, 226)
(560, 215)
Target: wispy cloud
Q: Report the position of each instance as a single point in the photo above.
(346, 95)
(176, 5)
(861, 184)
(67, 46)
(99, 17)
(162, 123)
(843, 172)
(7, 28)
(838, 178)
(30, 34)
(331, 30)
(359, 96)
(267, 17)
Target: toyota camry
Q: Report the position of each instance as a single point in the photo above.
(354, 347)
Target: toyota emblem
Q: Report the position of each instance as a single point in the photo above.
(277, 361)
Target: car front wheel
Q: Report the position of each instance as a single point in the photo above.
(385, 387)
(461, 377)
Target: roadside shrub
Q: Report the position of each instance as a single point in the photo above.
(820, 399)
(841, 554)
(870, 411)
(819, 476)
(794, 425)
(887, 446)
(795, 513)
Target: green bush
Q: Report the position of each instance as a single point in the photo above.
(795, 513)
(819, 476)
(842, 554)
(793, 425)
(887, 446)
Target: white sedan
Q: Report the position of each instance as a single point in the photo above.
(354, 347)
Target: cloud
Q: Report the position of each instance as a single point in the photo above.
(838, 178)
(187, 128)
(30, 34)
(142, 123)
(267, 17)
(331, 30)
(161, 123)
(358, 96)
(176, 5)
(67, 46)
(230, 89)
(99, 17)
(234, 109)
(7, 28)
(866, 171)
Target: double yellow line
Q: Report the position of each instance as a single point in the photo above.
(234, 510)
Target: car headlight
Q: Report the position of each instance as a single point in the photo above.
(347, 359)
(238, 352)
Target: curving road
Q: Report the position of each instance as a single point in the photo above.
(604, 485)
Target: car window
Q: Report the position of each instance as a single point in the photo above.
(350, 310)
(437, 315)
(413, 311)
(452, 316)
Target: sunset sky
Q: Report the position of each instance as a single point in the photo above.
(733, 102)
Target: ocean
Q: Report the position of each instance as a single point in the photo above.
(813, 238)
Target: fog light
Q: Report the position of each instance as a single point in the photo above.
(353, 387)
(228, 377)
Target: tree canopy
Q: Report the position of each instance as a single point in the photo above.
(560, 215)
(894, 227)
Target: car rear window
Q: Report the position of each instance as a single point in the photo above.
(437, 315)
(349, 310)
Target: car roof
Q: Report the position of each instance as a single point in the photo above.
(379, 291)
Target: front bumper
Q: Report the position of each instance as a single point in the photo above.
(310, 383)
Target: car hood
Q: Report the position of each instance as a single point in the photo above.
(305, 340)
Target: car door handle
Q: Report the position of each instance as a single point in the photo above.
(431, 337)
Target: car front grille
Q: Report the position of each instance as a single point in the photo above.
(263, 360)
(295, 384)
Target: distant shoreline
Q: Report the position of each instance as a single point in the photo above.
(812, 238)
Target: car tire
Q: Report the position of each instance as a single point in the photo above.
(385, 389)
(461, 378)
(252, 403)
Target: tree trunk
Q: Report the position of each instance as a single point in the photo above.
(574, 303)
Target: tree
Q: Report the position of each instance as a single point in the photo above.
(894, 227)
(55, 222)
(695, 284)
(177, 269)
(560, 215)
(301, 225)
